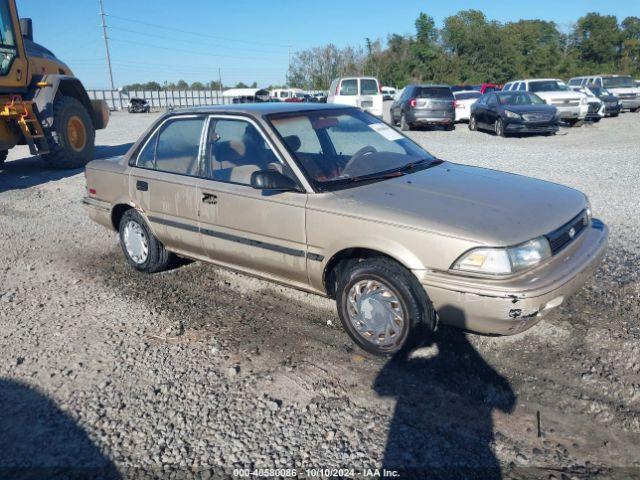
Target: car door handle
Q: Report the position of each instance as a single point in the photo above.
(142, 186)
(209, 198)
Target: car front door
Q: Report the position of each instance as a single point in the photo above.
(491, 112)
(162, 182)
(259, 231)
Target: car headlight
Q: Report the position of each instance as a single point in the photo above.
(511, 114)
(503, 261)
(583, 101)
(589, 212)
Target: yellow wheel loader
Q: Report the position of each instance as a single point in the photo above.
(42, 104)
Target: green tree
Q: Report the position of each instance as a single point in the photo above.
(197, 86)
(598, 39)
(182, 85)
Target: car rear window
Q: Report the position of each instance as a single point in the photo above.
(349, 87)
(368, 86)
(467, 95)
(433, 92)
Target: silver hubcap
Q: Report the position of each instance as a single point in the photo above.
(375, 312)
(135, 241)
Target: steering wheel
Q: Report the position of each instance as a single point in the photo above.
(368, 150)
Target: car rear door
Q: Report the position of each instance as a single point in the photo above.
(162, 181)
(254, 230)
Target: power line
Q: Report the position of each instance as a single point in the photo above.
(180, 50)
(106, 44)
(199, 34)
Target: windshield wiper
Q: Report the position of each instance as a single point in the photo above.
(396, 172)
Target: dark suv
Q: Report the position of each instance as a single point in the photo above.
(424, 105)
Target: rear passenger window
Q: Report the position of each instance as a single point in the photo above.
(175, 148)
(522, 86)
(178, 146)
(349, 87)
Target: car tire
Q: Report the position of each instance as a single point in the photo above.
(614, 115)
(72, 137)
(634, 110)
(3, 156)
(404, 125)
(498, 127)
(450, 128)
(595, 120)
(473, 123)
(141, 248)
(404, 302)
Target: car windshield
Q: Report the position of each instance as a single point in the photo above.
(337, 147)
(618, 82)
(519, 98)
(547, 86)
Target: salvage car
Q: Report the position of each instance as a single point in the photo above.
(572, 106)
(513, 112)
(464, 100)
(424, 105)
(331, 200)
(612, 105)
(138, 105)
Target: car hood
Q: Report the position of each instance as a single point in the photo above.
(618, 90)
(608, 98)
(531, 108)
(485, 206)
(560, 94)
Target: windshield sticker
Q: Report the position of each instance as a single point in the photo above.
(386, 131)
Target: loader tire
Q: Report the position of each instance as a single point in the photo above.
(72, 137)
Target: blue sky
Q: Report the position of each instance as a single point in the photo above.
(248, 39)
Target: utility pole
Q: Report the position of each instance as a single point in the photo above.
(220, 78)
(289, 68)
(106, 43)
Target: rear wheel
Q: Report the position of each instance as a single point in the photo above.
(141, 248)
(404, 125)
(382, 306)
(72, 136)
(473, 125)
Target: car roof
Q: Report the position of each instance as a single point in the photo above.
(439, 85)
(260, 109)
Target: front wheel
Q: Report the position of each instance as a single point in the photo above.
(72, 136)
(499, 127)
(141, 248)
(381, 305)
(473, 125)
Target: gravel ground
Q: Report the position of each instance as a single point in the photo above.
(196, 371)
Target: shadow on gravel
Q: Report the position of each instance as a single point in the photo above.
(442, 425)
(38, 440)
(31, 171)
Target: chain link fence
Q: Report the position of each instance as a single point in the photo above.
(160, 99)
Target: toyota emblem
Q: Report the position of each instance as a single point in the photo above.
(572, 232)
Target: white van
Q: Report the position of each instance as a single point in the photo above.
(388, 93)
(283, 94)
(362, 92)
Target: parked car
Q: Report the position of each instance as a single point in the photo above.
(612, 105)
(464, 100)
(362, 92)
(622, 86)
(331, 200)
(300, 97)
(573, 106)
(138, 105)
(487, 87)
(283, 94)
(388, 93)
(424, 105)
(513, 112)
(596, 106)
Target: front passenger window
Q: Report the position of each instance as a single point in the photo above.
(236, 149)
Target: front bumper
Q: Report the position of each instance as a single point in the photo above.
(612, 108)
(629, 103)
(512, 305)
(525, 127)
(577, 112)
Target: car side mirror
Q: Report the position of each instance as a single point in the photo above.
(273, 180)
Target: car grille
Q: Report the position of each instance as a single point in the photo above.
(594, 107)
(627, 96)
(566, 102)
(537, 117)
(563, 236)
